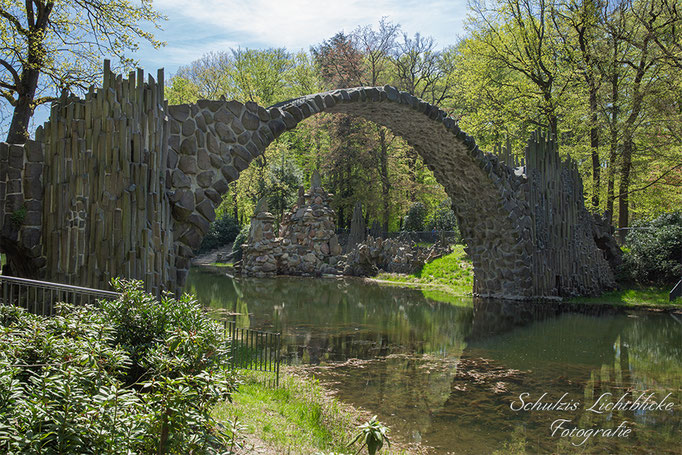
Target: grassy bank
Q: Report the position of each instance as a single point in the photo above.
(634, 297)
(452, 274)
(298, 417)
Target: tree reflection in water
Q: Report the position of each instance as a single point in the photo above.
(446, 373)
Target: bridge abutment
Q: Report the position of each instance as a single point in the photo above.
(128, 186)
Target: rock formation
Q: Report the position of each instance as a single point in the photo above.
(307, 243)
(357, 228)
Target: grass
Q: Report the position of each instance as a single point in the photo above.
(298, 417)
(451, 274)
(636, 296)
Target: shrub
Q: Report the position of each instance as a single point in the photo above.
(241, 239)
(136, 375)
(221, 232)
(654, 250)
(415, 218)
(444, 219)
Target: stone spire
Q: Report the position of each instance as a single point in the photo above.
(357, 228)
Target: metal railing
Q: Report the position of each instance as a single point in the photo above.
(39, 297)
(254, 350)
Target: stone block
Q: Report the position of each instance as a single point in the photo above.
(201, 223)
(240, 164)
(220, 185)
(174, 141)
(30, 237)
(230, 173)
(250, 120)
(207, 210)
(236, 108)
(204, 179)
(189, 146)
(180, 179)
(203, 160)
(181, 213)
(188, 164)
(244, 138)
(212, 144)
(34, 152)
(223, 115)
(201, 122)
(188, 127)
(179, 112)
(237, 127)
(225, 133)
(213, 194)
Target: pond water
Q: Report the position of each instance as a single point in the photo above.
(454, 374)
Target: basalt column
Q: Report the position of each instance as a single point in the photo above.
(106, 211)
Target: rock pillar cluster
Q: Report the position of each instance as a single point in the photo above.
(261, 253)
(307, 244)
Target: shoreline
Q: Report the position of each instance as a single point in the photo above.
(617, 299)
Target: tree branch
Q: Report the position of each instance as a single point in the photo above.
(15, 74)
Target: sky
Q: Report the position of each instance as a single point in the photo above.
(196, 27)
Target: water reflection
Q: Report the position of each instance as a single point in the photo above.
(446, 373)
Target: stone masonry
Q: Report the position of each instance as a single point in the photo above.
(130, 186)
(307, 244)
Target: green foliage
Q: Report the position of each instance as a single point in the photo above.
(221, 232)
(280, 185)
(635, 296)
(63, 42)
(372, 434)
(136, 375)
(17, 217)
(241, 239)
(443, 219)
(415, 218)
(452, 273)
(654, 254)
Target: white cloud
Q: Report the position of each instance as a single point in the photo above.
(298, 24)
(200, 26)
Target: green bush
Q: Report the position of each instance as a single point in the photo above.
(444, 219)
(654, 250)
(221, 232)
(136, 375)
(239, 241)
(415, 218)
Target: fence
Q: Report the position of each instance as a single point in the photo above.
(414, 236)
(39, 297)
(254, 350)
(251, 349)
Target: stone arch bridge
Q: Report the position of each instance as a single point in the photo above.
(121, 184)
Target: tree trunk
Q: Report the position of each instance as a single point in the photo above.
(26, 89)
(23, 110)
(385, 182)
(594, 145)
(624, 188)
(613, 152)
(611, 175)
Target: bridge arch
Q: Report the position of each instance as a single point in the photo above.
(119, 184)
(211, 142)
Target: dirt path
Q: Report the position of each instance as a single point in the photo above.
(210, 257)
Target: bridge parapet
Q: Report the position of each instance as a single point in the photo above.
(130, 186)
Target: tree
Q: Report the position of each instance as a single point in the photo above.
(340, 61)
(63, 41)
(577, 22)
(517, 35)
